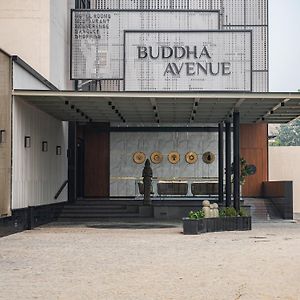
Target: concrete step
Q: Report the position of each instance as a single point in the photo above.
(95, 211)
(97, 216)
(262, 209)
(102, 207)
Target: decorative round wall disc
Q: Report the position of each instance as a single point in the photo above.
(174, 157)
(191, 157)
(139, 157)
(156, 157)
(208, 157)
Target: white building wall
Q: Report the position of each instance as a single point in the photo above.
(23, 80)
(37, 175)
(284, 164)
(24, 31)
(60, 43)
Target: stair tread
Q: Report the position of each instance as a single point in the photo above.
(89, 216)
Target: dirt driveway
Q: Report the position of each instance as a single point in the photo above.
(78, 262)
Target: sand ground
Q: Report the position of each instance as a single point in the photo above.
(77, 262)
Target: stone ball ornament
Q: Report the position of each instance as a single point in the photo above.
(208, 157)
(174, 157)
(156, 157)
(191, 157)
(139, 157)
(206, 208)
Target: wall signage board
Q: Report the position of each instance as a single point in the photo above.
(97, 37)
(188, 61)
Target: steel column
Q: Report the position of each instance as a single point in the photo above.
(236, 160)
(72, 191)
(228, 163)
(221, 162)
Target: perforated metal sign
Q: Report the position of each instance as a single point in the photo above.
(188, 61)
(97, 37)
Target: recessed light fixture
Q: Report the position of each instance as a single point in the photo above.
(27, 141)
(2, 136)
(44, 146)
(58, 150)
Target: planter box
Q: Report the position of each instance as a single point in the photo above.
(216, 224)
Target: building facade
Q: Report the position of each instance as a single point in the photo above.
(146, 79)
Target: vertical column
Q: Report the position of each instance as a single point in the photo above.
(236, 160)
(221, 162)
(228, 163)
(72, 193)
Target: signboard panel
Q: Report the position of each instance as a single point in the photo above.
(97, 37)
(188, 61)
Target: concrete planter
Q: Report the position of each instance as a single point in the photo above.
(216, 224)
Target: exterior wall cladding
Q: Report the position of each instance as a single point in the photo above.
(235, 15)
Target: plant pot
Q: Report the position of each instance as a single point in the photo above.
(216, 224)
(202, 226)
(190, 227)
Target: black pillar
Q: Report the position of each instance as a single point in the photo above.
(228, 164)
(221, 162)
(72, 162)
(236, 160)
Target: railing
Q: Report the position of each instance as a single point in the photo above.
(61, 189)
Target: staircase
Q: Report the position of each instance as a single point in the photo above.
(262, 210)
(92, 210)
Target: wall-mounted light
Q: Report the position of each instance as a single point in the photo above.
(2, 136)
(58, 150)
(44, 146)
(27, 141)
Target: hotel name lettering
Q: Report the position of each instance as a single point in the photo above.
(91, 26)
(187, 60)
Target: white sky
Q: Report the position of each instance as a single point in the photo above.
(284, 22)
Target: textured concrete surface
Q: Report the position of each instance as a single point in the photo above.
(78, 262)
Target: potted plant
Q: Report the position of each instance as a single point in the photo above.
(228, 220)
(192, 224)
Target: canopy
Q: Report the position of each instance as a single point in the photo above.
(164, 108)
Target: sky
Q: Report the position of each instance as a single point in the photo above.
(284, 47)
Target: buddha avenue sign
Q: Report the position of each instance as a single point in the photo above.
(188, 61)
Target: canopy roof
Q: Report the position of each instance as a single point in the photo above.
(164, 108)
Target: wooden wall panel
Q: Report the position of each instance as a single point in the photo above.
(254, 148)
(96, 169)
(5, 124)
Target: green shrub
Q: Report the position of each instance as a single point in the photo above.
(243, 213)
(196, 215)
(228, 212)
(231, 212)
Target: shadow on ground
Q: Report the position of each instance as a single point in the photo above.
(132, 226)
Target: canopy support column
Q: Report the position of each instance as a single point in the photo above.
(236, 160)
(228, 163)
(221, 163)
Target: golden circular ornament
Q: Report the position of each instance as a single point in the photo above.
(208, 157)
(156, 157)
(174, 157)
(191, 157)
(139, 157)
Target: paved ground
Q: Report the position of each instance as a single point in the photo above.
(77, 262)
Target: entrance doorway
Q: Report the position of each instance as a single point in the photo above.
(93, 161)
